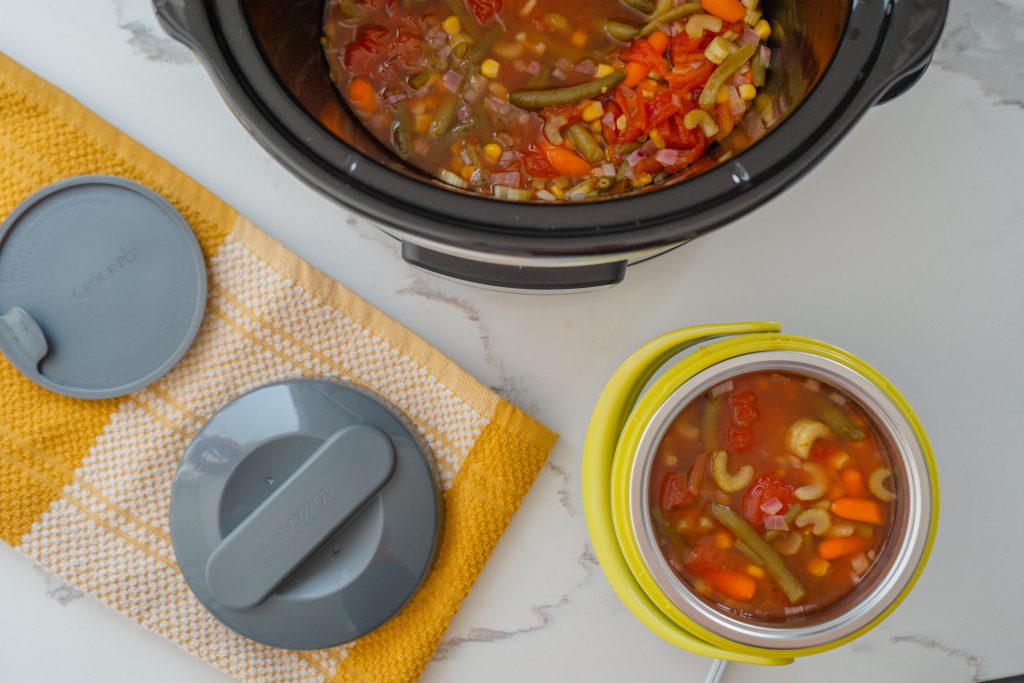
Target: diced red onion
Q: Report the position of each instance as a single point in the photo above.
(586, 67)
(776, 522)
(558, 73)
(860, 563)
(607, 169)
(635, 157)
(497, 105)
(723, 388)
(667, 157)
(510, 178)
(608, 119)
(452, 80)
(533, 68)
(749, 37)
(771, 506)
(766, 56)
(736, 104)
(563, 64)
(445, 52)
(507, 158)
(394, 99)
(463, 113)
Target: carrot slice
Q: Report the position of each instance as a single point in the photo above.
(834, 548)
(565, 161)
(659, 40)
(726, 10)
(736, 585)
(858, 510)
(635, 72)
(361, 94)
(853, 481)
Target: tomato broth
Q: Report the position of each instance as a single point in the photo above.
(548, 100)
(772, 496)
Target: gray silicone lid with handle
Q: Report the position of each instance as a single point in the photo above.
(305, 514)
(102, 287)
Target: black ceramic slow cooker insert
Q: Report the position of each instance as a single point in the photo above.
(832, 60)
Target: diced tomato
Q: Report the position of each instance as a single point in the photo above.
(484, 10)
(633, 107)
(662, 107)
(704, 556)
(608, 127)
(744, 407)
(367, 51)
(687, 80)
(537, 164)
(642, 52)
(409, 47)
(675, 491)
(741, 439)
(764, 488)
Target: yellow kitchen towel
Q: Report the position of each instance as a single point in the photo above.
(84, 486)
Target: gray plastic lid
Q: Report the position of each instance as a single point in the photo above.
(305, 514)
(102, 287)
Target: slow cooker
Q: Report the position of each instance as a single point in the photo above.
(832, 61)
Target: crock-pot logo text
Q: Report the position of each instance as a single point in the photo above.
(310, 508)
(130, 253)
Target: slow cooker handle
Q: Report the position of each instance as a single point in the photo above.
(537, 279)
(910, 40)
(182, 20)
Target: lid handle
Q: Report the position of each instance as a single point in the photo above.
(328, 490)
(21, 336)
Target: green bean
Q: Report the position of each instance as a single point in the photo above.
(461, 50)
(751, 555)
(671, 15)
(417, 81)
(480, 49)
(773, 563)
(758, 71)
(620, 30)
(444, 115)
(573, 94)
(585, 143)
(644, 6)
(674, 538)
(709, 424)
(832, 415)
(794, 510)
(605, 183)
(401, 139)
(721, 74)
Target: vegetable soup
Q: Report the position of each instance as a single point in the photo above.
(772, 496)
(547, 100)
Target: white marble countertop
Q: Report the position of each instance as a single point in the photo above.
(904, 246)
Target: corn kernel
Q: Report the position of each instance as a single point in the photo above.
(593, 111)
(578, 38)
(620, 123)
(722, 96)
(498, 89)
(755, 571)
(595, 126)
(452, 25)
(722, 538)
(656, 138)
(490, 68)
(748, 92)
(557, 191)
(492, 151)
(604, 70)
(818, 566)
(763, 30)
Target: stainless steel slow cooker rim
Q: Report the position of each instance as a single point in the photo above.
(886, 581)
